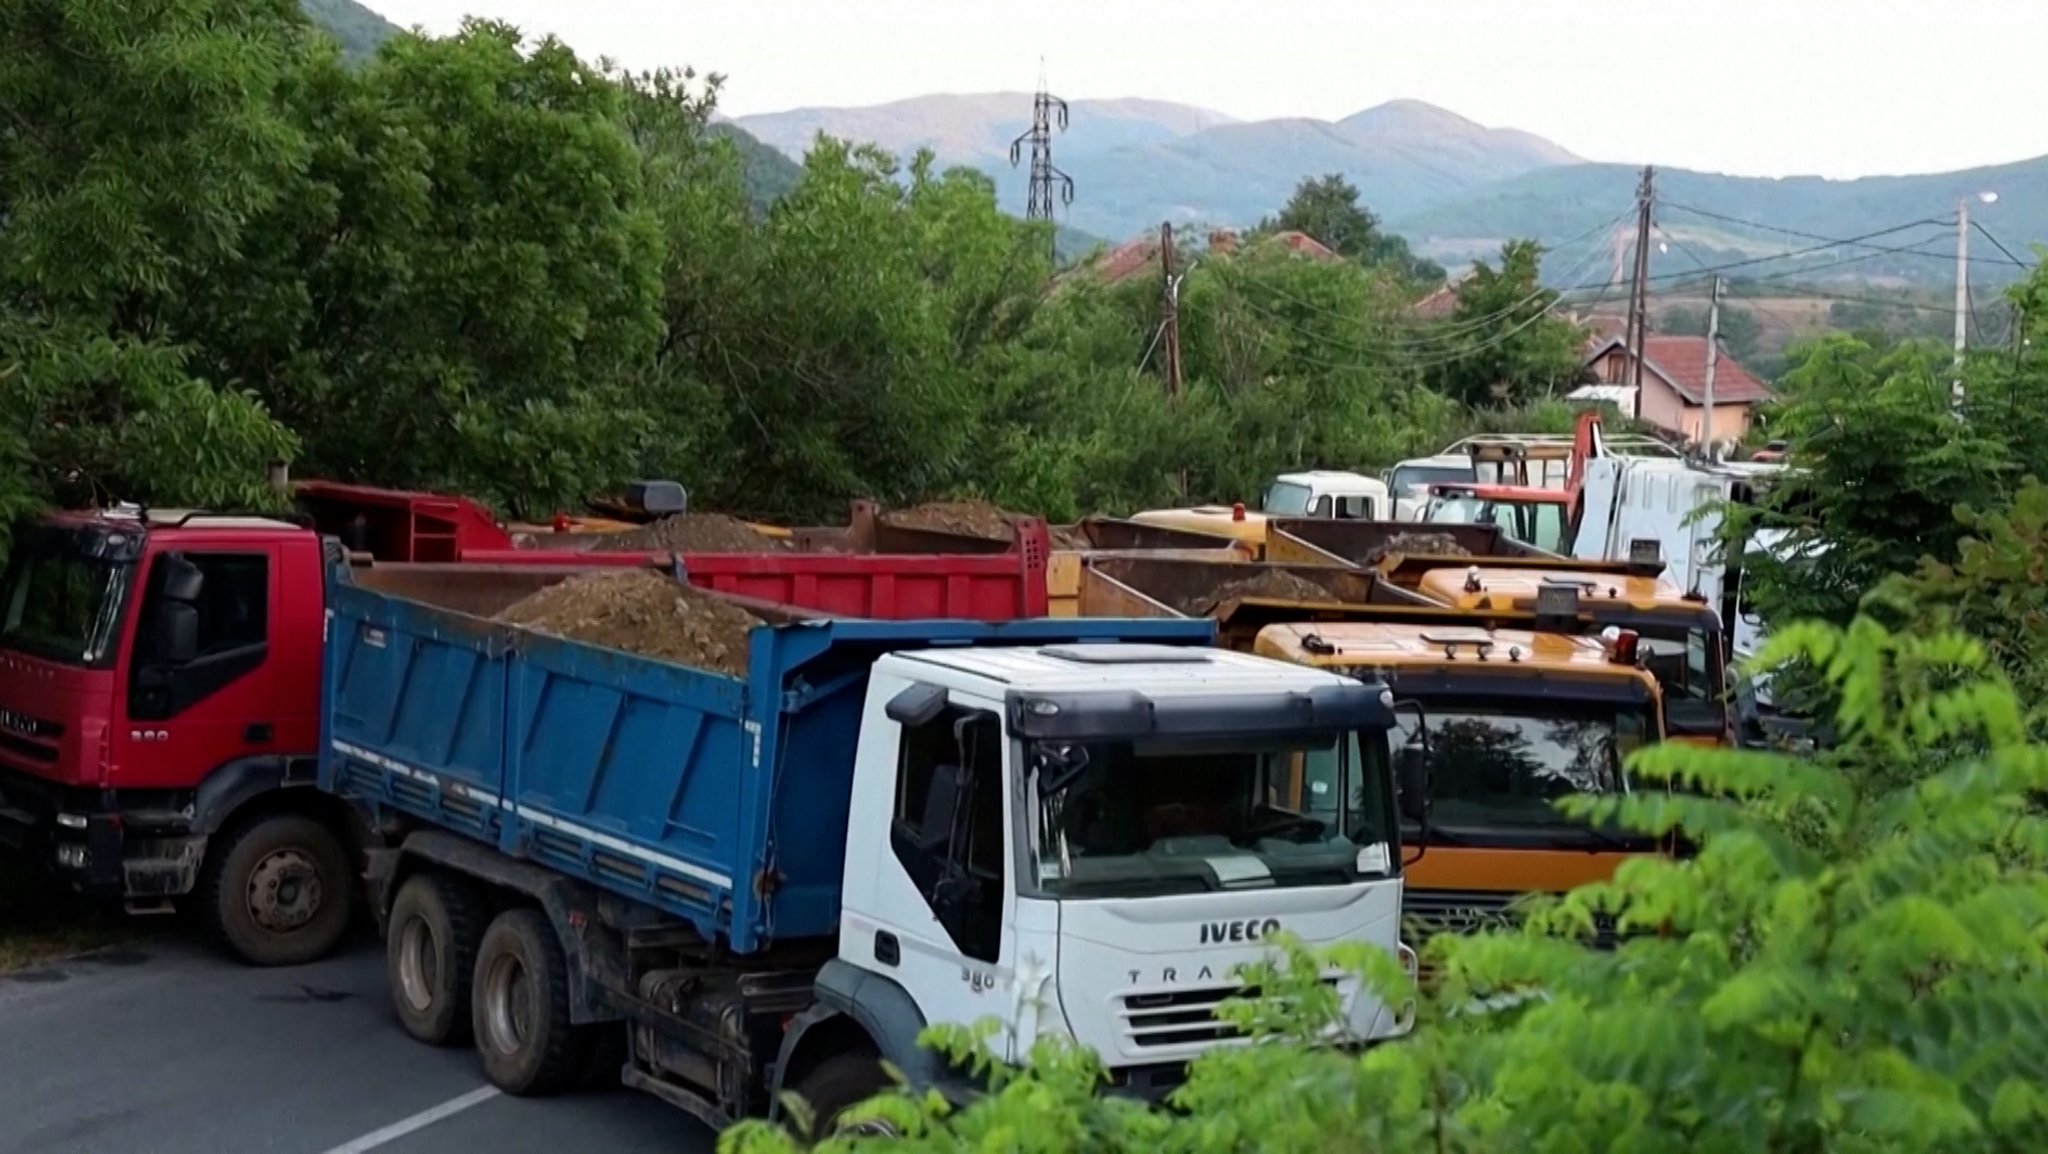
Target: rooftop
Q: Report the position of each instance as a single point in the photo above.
(1044, 669)
(1681, 362)
(1373, 643)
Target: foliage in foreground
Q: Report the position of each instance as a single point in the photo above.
(1855, 960)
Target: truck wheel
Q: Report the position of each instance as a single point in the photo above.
(519, 1001)
(838, 1084)
(430, 955)
(277, 891)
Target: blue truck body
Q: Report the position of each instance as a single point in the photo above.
(716, 799)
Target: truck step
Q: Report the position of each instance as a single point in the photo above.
(682, 1098)
(149, 907)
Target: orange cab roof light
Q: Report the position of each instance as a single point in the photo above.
(1621, 644)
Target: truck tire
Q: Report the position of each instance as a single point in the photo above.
(838, 1084)
(277, 890)
(519, 1001)
(436, 923)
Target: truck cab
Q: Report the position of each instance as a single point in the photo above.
(159, 687)
(1516, 719)
(1410, 481)
(1321, 494)
(1538, 517)
(1681, 637)
(1327, 493)
(1123, 865)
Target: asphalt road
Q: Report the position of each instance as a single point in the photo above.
(167, 1048)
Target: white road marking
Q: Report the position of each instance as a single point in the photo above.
(419, 1121)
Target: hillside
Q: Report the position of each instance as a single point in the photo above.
(977, 129)
(359, 29)
(1137, 162)
(1556, 204)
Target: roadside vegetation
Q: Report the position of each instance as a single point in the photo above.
(38, 925)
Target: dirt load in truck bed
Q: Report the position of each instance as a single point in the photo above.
(641, 611)
(1285, 586)
(1416, 545)
(691, 533)
(976, 519)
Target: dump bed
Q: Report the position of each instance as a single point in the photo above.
(1322, 541)
(997, 586)
(718, 799)
(869, 529)
(1241, 596)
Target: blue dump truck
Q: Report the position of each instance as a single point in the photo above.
(721, 887)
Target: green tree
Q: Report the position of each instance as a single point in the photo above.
(1327, 208)
(139, 142)
(479, 278)
(1502, 345)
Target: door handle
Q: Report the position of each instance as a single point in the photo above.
(257, 733)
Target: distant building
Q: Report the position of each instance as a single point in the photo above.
(1140, 257)
(1673, 394)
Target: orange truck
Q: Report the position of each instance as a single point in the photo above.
(1681, 636)
(1514, 708)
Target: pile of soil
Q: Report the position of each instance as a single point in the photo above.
(967, 518)
(641, 611)
(1417, 545)
(1280, 584)
(1070, 538)
(692, 533)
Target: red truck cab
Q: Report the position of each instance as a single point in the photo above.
(159, 684)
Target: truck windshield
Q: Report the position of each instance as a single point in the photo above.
(1286, 500)
(1499, 767)
(1126, 819)
(61, 596)
(1408, 477)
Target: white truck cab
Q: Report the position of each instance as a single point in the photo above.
(1410, 481)
(1086, 841)
(1327, 493)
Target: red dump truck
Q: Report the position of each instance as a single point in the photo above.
(160, 681)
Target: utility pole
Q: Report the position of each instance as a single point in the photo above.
(1639, 292)
(1047, 112)
(1713, 360)
(1170, 310)
(1962, 293)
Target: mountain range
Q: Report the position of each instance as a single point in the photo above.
(1454, 188)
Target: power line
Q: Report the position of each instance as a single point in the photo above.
(1789, 253)
(1948, 222)
(1978, 225)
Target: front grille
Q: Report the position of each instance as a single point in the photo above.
(1183, 1017)
(1427, 913)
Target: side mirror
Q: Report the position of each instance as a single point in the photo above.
(1411, 782)
(183, 581)
(177, 633)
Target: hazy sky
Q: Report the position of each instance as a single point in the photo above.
(1758, 87)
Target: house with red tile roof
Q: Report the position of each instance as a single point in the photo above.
(1140, 257)
(1673, 395)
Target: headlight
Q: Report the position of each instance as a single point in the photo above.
(71, 857)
